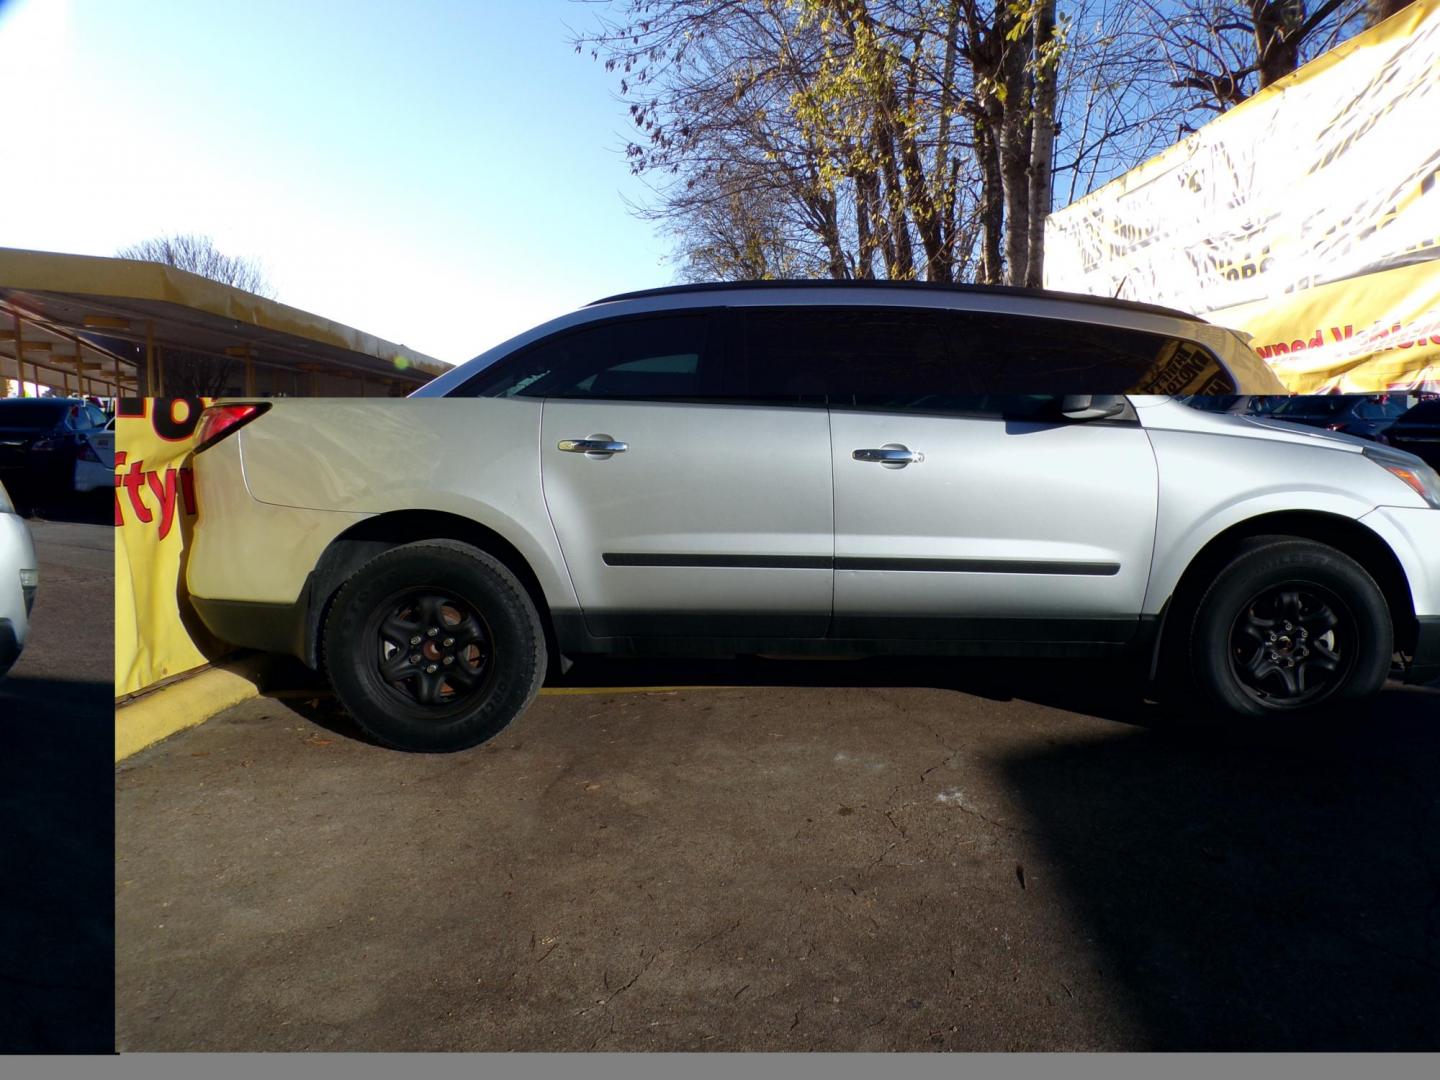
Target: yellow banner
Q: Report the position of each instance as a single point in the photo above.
(1308, 216)
(1363, 335)
(157, 634)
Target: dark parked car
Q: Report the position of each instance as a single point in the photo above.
(1238, 404)
(1418, 431)
(1367, 416)
(41, 440)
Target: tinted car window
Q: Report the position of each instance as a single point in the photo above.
(1016, 354)
(935, 360)
(659, 357)
(884, 357)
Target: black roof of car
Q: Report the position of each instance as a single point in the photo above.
(931, 286)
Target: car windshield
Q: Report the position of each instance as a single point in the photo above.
(31, 415)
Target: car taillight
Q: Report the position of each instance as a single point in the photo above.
(220, 420)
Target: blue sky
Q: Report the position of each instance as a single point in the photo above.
(442, 174)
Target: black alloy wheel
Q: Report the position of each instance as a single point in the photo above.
(1292, 645)
(432, 647)
(1286, 627)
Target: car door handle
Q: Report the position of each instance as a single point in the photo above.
(890, 455)
(592, 445)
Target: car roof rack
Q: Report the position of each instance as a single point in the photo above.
(930, 286)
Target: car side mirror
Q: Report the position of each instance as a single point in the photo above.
(1091, 406)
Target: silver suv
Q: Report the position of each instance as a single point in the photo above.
(853, 470)
(19, 577)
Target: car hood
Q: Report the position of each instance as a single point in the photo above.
(1168, 414)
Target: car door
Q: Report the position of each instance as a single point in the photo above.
(966, 515)
(680, 511)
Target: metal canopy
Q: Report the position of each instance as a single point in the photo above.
(62, 360)
(121, 314)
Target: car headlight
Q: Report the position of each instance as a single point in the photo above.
(29, 584)
(1418, 476)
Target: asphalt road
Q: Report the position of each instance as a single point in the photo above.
(57, 706)
(869, 856)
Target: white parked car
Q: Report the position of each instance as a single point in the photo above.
(19, 577)
(839, 470)
(95, 458)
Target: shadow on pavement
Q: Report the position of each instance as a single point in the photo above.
(1268, 892)
(90, 508)
(1108, 691)
(57, 908)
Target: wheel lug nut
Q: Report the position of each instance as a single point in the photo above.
(431, 669)
(415, 640)
(415, 658)
(431, 632)
(449, 660)
(448, 642)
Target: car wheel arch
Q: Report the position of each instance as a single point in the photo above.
(1345, 534)
(363, 541)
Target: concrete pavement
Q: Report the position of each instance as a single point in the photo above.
(867, 856)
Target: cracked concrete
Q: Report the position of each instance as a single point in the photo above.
(728, 869)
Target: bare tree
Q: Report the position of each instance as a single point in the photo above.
(920, 138)
(1220, 52)
(847, 117)
(186, 373)
(198, 254)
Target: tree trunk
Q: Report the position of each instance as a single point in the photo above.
(900, 255)
(821, 204)
(1277, 47)
(943, 184)
(1042, 141)
(866, 198)
(992, 204)
(1015, 160)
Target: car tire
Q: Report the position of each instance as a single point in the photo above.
(466, 617)
(1288, 628)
